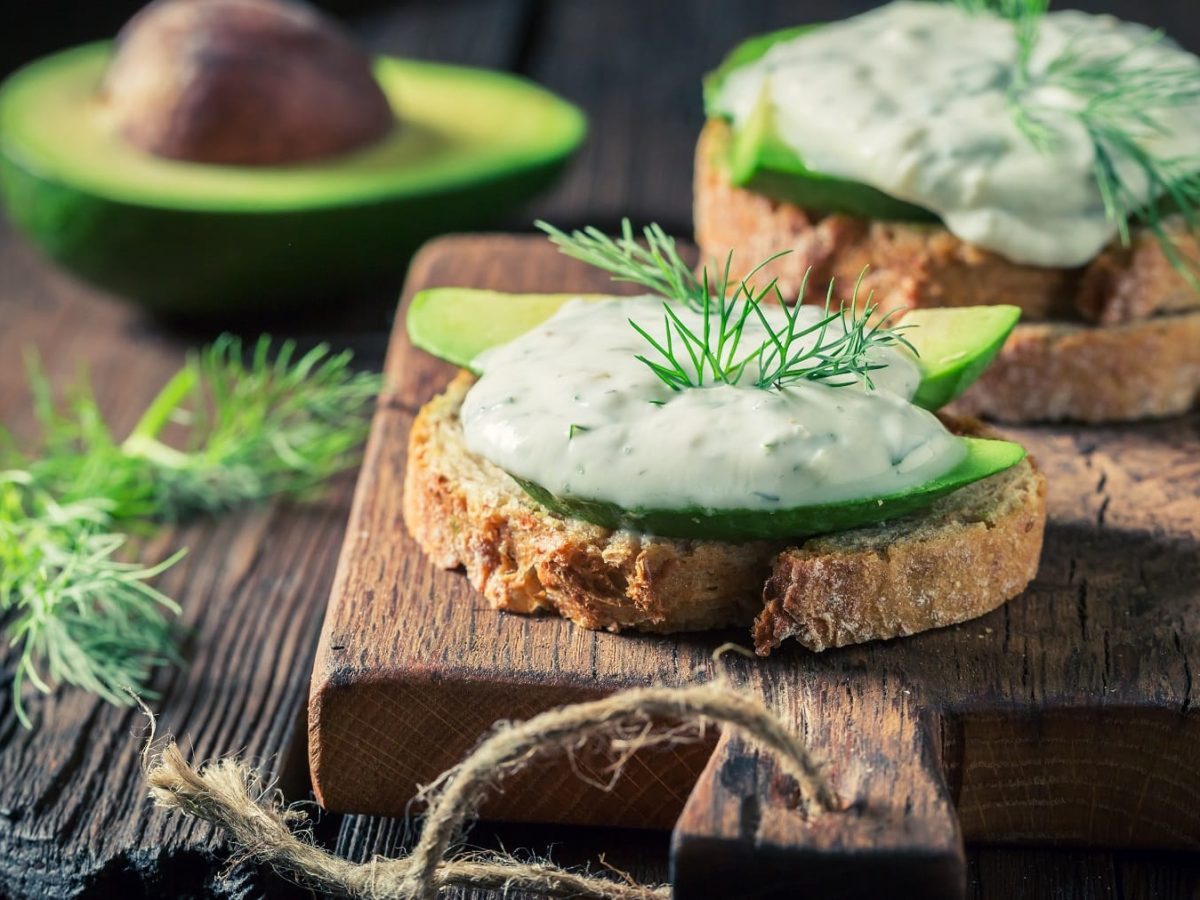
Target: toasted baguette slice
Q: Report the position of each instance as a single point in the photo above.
(913, 265)
(1054, 371)
(464, 511)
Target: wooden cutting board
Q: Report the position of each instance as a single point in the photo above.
(1065, 717)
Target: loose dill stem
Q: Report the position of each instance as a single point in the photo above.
(78, 612)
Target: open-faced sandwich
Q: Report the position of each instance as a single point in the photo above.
(980, 152)
(706, 456)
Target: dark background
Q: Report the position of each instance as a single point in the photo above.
(72, 818)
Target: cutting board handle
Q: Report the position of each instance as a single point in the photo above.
(742, 833)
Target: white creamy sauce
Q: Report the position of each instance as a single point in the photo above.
(912, 99)
(637, 443)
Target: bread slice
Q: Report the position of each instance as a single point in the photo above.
(1123, 345)
(915, 265)
(1054, 371)
(965, 556)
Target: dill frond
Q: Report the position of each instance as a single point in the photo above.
(250, 426)
(1123, 99)
(655, 266)
(837, 350)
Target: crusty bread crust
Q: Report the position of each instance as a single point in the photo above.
(465, 511)
(1054, 371)
(915, 265)
(1140, 359)
(963, 557)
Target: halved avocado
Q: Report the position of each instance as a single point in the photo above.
(191, 240)
(984, 458)
(760, 160)
(954, 345)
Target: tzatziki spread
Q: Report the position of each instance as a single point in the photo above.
(914, 100)
(570, 407)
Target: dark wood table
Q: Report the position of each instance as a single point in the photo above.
(73, 815)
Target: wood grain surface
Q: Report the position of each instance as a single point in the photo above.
(72, 818)
(1066, 716)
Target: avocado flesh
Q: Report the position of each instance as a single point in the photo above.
(457, 324)
(195, 240)
(984, 458)
(761, 161)
(954, 345)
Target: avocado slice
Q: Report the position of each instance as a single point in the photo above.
(193, 240)
(457, 324)
(984, 458)
(761, 161)
(954, 345)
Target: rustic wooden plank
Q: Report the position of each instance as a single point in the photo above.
(900, 829)
(1067, 715)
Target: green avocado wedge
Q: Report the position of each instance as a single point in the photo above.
(761, 161)
(196, 241)
(984, 458)
(954, 345)
(457, 324)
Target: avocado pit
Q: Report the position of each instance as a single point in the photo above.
(242, 82)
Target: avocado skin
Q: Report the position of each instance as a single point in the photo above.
(984, 458)
(192, 264)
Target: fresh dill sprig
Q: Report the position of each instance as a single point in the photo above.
(847, 353)
(714, 350)
(78, 613)
(656, 265)
(249, 429)
(837, 350)
(687, 357)
(1122, 98)
(1026, 15)
(244, 427)
(1005, 9)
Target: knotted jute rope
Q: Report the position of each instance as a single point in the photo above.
(231, 795)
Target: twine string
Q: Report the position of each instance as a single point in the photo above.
(232, 796)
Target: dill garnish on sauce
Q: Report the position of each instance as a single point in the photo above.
(837, 350)
(1122, 98)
